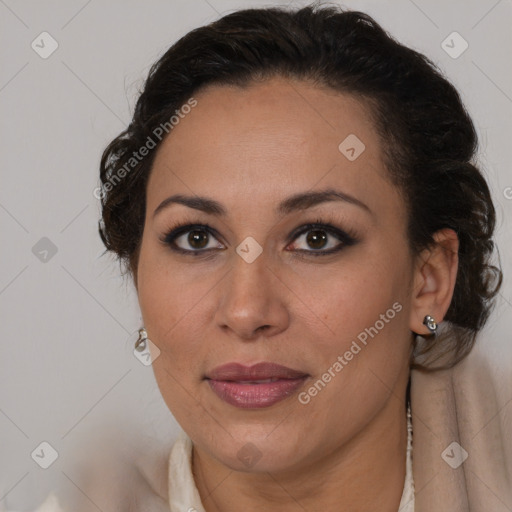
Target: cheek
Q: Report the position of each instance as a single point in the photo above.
(161, 308)
(166, 307)
(165, 293)
(364, 306)
(354, 296)
(360, 362)
(173, 301)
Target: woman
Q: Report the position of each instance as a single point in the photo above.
(310, 240)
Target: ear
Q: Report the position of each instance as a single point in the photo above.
(434, 280)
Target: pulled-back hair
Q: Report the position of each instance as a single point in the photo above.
(428, 138)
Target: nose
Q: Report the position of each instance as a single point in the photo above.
(253, 300)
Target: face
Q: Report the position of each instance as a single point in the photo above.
(255, 284)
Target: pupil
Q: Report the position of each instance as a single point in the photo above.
(316, 238)
(198, 239)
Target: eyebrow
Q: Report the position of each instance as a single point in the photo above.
(291, 204)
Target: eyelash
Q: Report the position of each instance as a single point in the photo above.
(346, 237)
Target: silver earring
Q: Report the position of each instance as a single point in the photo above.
(140, 344)
(431, 324)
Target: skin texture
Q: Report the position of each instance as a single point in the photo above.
(249, 149)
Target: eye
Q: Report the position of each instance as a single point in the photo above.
(320, 239)
(192, 238)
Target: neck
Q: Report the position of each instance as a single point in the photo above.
(367, 473)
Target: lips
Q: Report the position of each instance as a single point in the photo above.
(261, 385)
(258, 372)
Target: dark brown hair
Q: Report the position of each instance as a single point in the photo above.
(428, 137)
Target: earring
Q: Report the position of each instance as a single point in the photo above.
(140, 344)
(431, 324)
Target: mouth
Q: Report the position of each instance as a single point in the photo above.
(254, 387)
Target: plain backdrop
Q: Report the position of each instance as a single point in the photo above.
(67, 369)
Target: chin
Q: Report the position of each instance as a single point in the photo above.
(255, 460)
(259, 452)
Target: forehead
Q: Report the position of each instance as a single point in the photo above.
(269, 140)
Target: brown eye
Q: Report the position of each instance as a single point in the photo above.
(198, 239)
(192, 239)
(316, 238)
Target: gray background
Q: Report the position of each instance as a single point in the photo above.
(67, 369)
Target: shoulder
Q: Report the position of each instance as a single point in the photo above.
(127, 478)
(461, 424)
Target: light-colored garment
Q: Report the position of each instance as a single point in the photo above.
(462, 422)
